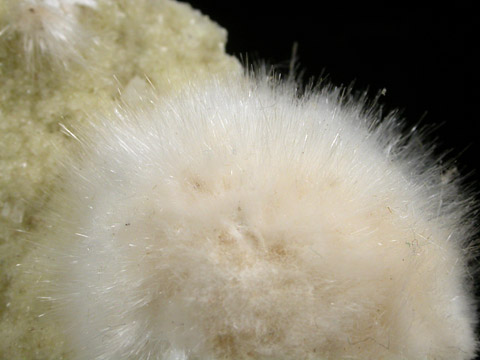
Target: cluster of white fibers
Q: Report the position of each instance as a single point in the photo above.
(238, 220)
(48, 29)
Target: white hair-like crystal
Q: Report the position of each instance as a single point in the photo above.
(48, 28)
(238, 220)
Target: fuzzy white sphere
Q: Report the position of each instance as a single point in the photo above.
(237, 220)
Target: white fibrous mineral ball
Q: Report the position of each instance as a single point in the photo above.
(236, 219)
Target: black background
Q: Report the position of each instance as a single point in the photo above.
(423, 57)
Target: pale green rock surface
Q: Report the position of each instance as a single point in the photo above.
(125, 42)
